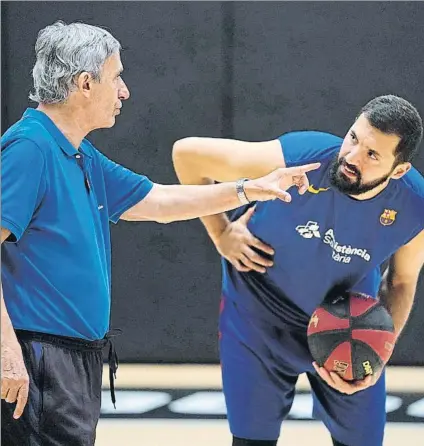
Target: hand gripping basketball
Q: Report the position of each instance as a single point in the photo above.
(351, 339)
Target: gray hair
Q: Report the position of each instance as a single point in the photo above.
(64, 51)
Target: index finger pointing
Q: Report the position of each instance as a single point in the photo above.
(299, 170)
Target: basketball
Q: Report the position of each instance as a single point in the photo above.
(352, 336)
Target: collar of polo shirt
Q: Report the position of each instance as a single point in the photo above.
(59, 137)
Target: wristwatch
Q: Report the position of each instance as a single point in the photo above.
(240, 191)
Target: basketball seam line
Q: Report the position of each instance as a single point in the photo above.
(366, 312)
(370, 347)
(332, 332)
(336, 330)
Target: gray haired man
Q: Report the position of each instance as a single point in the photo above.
(59, 194)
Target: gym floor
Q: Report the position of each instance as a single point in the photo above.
(183, 405)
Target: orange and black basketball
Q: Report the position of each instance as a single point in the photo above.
(352, 335)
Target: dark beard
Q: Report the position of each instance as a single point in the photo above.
(345, 185)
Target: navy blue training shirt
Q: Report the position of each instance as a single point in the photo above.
(57, 202)
(324, 240)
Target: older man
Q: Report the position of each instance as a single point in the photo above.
(59, 194)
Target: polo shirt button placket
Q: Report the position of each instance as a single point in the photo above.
(81, 165)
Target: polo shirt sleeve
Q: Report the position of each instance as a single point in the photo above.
(306, 147)
(124, 188)
(23, 184)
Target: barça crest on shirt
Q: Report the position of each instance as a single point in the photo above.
(388, 217)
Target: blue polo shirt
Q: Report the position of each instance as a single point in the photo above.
(58, 202)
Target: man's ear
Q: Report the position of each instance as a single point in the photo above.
(84, 83)
(400, 170)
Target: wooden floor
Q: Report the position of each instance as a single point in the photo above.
(162, 430)
(215, 433)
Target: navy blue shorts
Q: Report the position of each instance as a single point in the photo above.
(261, 361)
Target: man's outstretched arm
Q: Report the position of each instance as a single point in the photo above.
(183, 202)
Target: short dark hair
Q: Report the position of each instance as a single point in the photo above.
(394, 115)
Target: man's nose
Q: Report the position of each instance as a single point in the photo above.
(123, 93)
